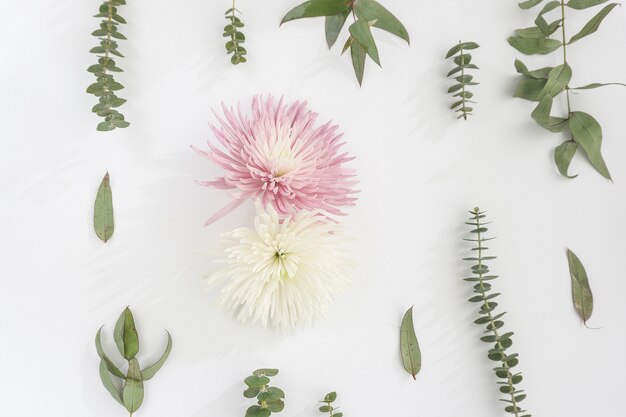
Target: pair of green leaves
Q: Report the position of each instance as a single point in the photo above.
(500, 341)
(460, 90)
(409, 347)
(269, 399)
(127, 341)
(545, 84)
(361, 43)
(328, 401)
(103, 211)
(581, 292)
(235, 36)
(106, 86)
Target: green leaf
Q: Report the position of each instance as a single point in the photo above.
(133, 388)
(596, 85)
(361, 32)
(276, 406)
(316, 8)
(558, 78)
(125, 335)
(257, 411)
(409, 348)
(330, 397)
(593, 24)
(109, 363)
(563, 155)
(251, 392)
(588, 134)
(150, 371)
(266, 372)
(529, 4)
(256, 381)
(358, 60)
(541, 115)
(534, 46)
(372, 11)
(581, 292)
(103, 211)
(274, 393)
(325, 409)
(583, 4)
(529, 89)
(541, 73)
(108, 383)
(333, 26)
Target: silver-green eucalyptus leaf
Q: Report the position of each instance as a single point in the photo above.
(132, 394)
(109, 363)
(587, 132)
(558, 79)
(593, 25)
(409, 348)
(103, 211)
(105, 377)
(150, 371)
(333, 25)
(542, 116)
(581, 292)
(596, 85)
(358, 56)
(563, 155)
(538, 74)
(583, 4)
(372, 11)
(534, 46)
(360, 31)
(316, 8)
(529, 88)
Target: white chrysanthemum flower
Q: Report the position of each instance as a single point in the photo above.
(285, 271)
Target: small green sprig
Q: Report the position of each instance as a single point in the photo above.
(501, 342)
(366, 14)
(544, 85)
(131, 393)
(232, 31)
(105, 86)
(270, 399)
(328, 401)
(459, 91)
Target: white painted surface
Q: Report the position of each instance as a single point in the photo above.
(420, 171)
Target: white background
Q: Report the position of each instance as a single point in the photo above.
(420, 171)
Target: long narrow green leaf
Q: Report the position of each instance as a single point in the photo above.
(596, 85)
(409, 348)
(581, 292)
(361, 32)
(558, 78)
(110, 365)
(131, 338)
(316, 8)
(593, 24)
(372, 11)
(583, 4)
(103, 211)
(358, 60)
(541, 115)
(108, 382)
(588, 134)
(534, 46)
(563, 155)
(538, 74)
(333, 26)
(151, 370)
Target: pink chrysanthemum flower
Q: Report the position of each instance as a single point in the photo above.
(281, 156)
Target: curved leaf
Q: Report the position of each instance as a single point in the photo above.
(541, 73)
(358, 60)
(409, 348)
(125, 335)
(371, 10)
(563, 155)
(534, 46)
(529, 89)
(593, 24)
(316, 8)
(596, 85)
(132, 394)
(108, 383)
(581, 292)
(587, 132)
(583, 4)
(103, 211)
(150, 371)
(558, 78)
(110, 365)
(361, 32)
(541, 115)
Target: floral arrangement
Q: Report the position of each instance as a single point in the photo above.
(286, 270)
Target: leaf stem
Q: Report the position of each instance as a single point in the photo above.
(564, 43)
(463, 81)
(486, 308)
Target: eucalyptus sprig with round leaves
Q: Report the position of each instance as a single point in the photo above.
(544, 85)
(365, 13)
(232, 31)
(269, 399)
(492, 322)
(460, 91)
(105, 86)
(327, 406)
(130, 392)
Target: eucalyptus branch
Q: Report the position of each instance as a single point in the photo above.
(269, 399)
(235, 36)
(130, 395)
(105, 86)
(462, 59)
(366, 14)
(545, 84)
(328, 401)
(501, 342)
